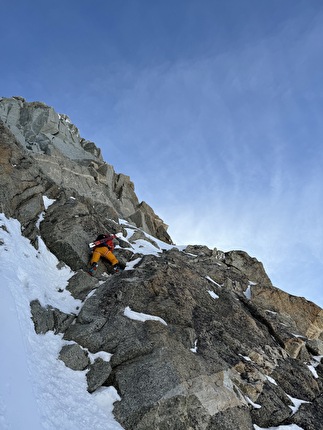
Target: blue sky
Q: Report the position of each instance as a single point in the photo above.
(212, 108)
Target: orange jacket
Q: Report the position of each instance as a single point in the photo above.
(108, 242)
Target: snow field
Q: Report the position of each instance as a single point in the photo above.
(37, 390)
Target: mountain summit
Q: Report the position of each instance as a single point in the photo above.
(52, 158)
(187, 338)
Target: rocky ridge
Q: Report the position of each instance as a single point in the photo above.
(45, 149)
(191, 338)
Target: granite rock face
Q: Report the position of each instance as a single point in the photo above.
(192, 339)
(50, 156)
(216, 359)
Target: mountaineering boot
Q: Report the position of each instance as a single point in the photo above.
(92, 269)
(118, 268)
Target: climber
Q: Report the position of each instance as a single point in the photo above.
(105, 249)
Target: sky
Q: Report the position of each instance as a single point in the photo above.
(37, 390)
(212, 108)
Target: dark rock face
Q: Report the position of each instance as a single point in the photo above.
(49, 318)
(98, 374)
(74, 357)
(161, 381)
(200, 339)
(81, 284)
(21, 184)
(310, 415)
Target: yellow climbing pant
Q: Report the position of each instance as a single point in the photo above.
(104, 252)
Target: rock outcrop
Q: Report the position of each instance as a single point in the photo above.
(191, 338)
(52, 157)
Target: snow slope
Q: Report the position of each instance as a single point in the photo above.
(37, 390)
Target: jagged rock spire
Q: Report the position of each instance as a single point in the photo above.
(62, 160)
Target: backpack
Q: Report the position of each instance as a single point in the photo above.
(106, 240)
